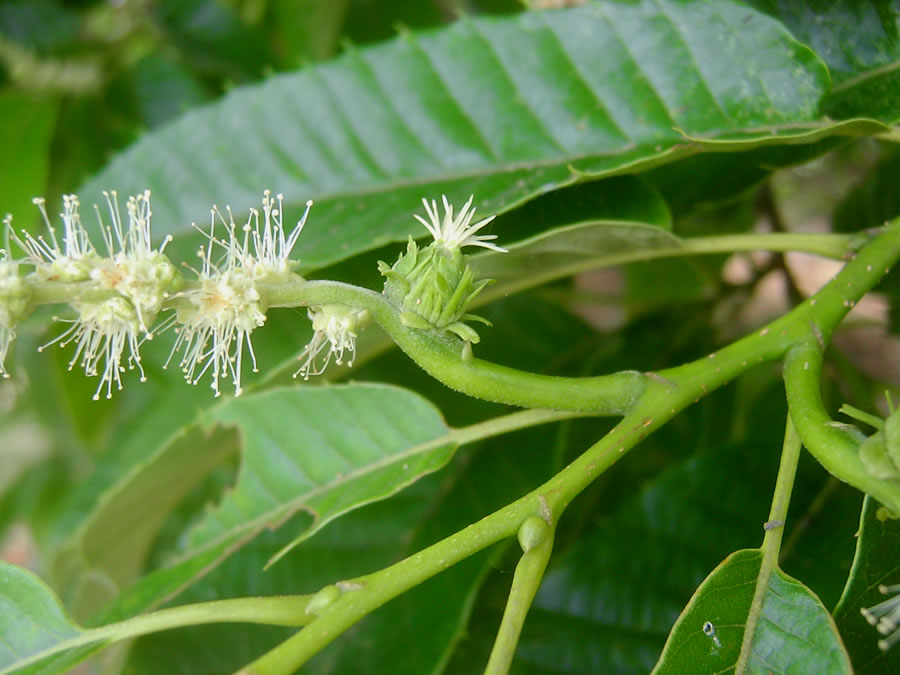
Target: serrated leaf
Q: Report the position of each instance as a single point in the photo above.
(503, 107)
(877, 562)
(859, 41)
(793, 633)
(345, 446)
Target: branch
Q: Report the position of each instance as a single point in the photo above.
(662, 396)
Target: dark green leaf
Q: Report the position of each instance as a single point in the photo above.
(793, 633)
(506, 108)
(860, 42)
(164, 89)
(877, 562)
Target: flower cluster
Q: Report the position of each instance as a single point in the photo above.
(119, 292)
(135, 279)
(434, 285)
(335, 328)
(218, 317)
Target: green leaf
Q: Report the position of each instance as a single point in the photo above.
(107, 552)
(567, 250)
(427, 620)
(877, 562)
(345, 446)
(859, 41)
(164, 89)
(32, 619)
(503, 107)
(26, 129)
(713, 178)
(794, 632)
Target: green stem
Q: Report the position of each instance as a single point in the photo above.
(440, 356)
(273, 611)
(662, 395)
(836, 447)
(781, 499)
(835, 246)
(526, 581)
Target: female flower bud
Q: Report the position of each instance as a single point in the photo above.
(880, 452)
(433, 286)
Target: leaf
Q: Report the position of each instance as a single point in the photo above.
(504, 107)
(607, 603)
(164, 89)
(345, 446)
(26, 129)
(877, 562)
(32, 618)
(567, 250)
(859, 41)
(426, 620)
(713, 178)
(108, 550)
(794, 632)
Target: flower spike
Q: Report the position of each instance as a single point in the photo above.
(228, 306)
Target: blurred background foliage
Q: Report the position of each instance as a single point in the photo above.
(82, 80)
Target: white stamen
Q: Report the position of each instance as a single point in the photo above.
(457, 232)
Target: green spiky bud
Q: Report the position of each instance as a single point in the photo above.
(433, 286)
